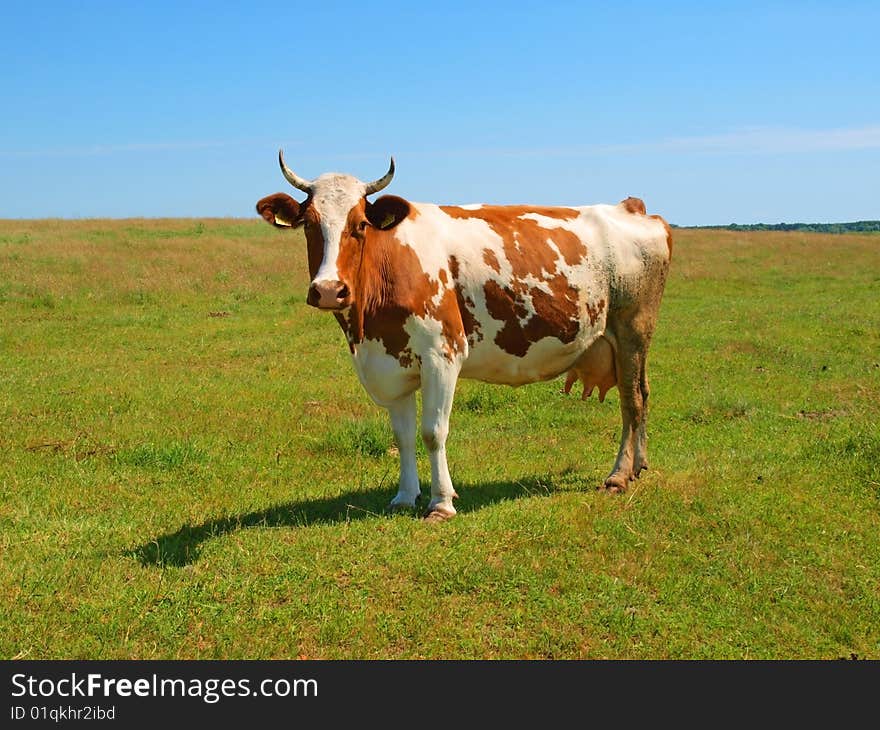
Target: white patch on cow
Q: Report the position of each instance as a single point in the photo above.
(438, 389)
(464, 238)
(426, 335)
(403, 422)
(555, 249)
(545, 221)
(381, 374)
(333, 196)
(471, 206)
(546, 359)
(533, 282)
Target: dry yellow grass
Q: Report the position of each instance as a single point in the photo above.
(109, 259)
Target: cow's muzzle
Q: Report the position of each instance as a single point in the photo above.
(329, 295)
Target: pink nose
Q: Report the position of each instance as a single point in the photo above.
(329, 295)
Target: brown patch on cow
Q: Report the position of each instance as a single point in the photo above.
(634, 205)
(501, 303)
(389, 286)
(403, 290)
(314, 238)
(556, 313)
(595, 368)
(594, 312)
(525, 240)
(668, 233)
(527, 248)
(472, 329)
(449, 314)
(491, 260)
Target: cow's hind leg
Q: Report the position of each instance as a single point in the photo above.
(632, 339)
(438, 389)
(403, 423)
(640, 458)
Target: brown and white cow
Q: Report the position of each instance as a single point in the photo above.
(426, 294)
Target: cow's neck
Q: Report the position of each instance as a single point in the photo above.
(375, 285)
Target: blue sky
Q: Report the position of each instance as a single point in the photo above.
(712, 113)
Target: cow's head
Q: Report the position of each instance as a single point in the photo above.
(338, 221)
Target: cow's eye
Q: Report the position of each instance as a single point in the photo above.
(362, 226)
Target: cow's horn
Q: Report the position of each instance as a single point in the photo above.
(382, 182)
(292, 177)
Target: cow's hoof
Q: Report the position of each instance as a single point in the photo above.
(403, 506)
(438, 515)
(616, 483)
(439, 512)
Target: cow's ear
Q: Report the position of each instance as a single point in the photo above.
(387, 211)
(280, 210)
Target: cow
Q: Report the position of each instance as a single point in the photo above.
(427, 294)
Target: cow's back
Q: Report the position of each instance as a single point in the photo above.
(535, 285)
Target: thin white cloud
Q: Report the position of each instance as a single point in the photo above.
(773, 140)
(752, 140)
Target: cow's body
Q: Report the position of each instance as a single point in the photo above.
(504, 294)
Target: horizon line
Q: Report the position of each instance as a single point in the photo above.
(255, 217)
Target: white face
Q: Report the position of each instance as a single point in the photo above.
(333, 196)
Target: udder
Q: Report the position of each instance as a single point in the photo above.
(595, 369)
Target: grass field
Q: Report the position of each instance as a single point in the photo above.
(189, 467)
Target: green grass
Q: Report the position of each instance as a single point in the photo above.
(189, 467)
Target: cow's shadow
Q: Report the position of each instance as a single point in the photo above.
(183, 546)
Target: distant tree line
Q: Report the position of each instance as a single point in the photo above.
(854, 227)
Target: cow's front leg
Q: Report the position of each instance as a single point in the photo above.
(438, 390)
(403, 423)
